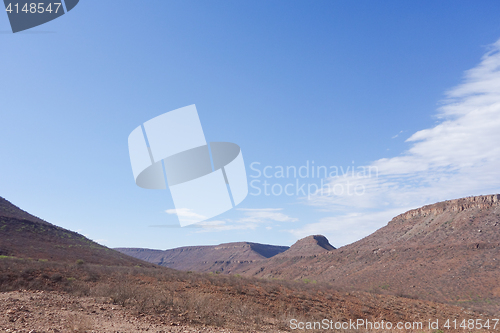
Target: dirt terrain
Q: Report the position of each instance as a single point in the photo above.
(53, 297)
(54, 312)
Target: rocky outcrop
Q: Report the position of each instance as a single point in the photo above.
(308, 246)
(456, 205)
(448, 251)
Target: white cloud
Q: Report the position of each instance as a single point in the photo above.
(187, 214)
(251, 219)
(261, 215)
(395, 136)
(458, 157)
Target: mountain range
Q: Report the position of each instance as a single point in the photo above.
(447, 252)
(89, 287)
(229, 257)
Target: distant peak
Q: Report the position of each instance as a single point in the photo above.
(309, 245)
(323, 242)
(319, 240)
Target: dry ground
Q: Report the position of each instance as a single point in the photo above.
(54, 297)
(38, 311)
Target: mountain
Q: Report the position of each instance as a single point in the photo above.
(448, 251)
(308, 246)
(101, 298)
(23, 235)
(229, 257)
(223, 258)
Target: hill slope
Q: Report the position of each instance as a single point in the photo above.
(449, 251)
(23, 235)
(223, 258)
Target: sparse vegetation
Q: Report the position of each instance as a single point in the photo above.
(6, 257)
(196, 298)
(73, 266)
(187, 297)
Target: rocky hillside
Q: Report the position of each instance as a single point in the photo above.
(308, 246)
(229, 257)
(23, 235)
(448, 251)
(222, 258)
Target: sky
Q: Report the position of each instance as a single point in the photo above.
(396, 104)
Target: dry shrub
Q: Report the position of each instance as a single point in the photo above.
(78, 324)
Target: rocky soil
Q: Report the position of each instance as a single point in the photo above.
(56, 312)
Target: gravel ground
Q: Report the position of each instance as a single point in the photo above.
(55, 312)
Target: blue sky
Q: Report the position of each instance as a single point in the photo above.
(411, 88)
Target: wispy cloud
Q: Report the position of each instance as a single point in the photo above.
(251, 219)
(262, 215)
(458, 157)
(187, 214)
(395, 136)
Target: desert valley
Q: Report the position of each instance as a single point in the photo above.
(438, 262)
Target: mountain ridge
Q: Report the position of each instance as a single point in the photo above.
(456, 205)
(206, 258)
(26, 236)
(448, 251)
(227, 257)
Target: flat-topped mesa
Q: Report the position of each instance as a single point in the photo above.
(264, 250)
(456, 205)
(311, 245)
(207, 258)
